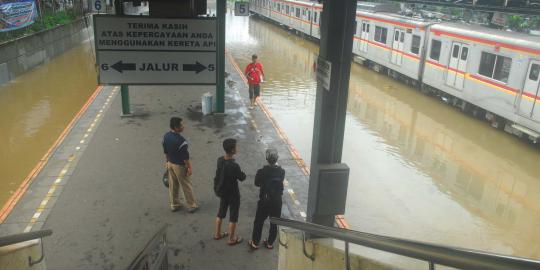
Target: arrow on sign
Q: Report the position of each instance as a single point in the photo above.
(120, 66)
(197, 67)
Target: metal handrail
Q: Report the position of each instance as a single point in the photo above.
(432, 253)
(23, 237)
(147, 259)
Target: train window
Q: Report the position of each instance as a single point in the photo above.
(309, 15)
(495, 66)
(502, 68)
(402, 37)
(535, 72)
(298, 12)
(396, 35)
(487, 64)
(464, 53)
(435, 49)
(315, 16)
(455, 51)
(380, 34)
(287, 8)
(415, 45)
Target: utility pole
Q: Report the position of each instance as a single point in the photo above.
(329, 177)
(124, 88)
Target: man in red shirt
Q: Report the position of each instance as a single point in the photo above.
(254, 73)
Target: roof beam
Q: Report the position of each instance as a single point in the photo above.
(530, 7)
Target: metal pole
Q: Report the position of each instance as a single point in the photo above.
(221, 10)
(124, 92)
(338, 23)
(124, 88)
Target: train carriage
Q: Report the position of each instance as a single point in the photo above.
(392, 41)
(489, 72)
(300, 16)
(495, 70)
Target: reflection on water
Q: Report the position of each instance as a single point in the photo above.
(419, 169)
(36, 107)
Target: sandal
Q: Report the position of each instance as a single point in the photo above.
(266, 245)
(252, 245)
(223, 235)
(236, 241)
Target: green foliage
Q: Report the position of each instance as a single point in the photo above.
(48, 21)
(516, 22)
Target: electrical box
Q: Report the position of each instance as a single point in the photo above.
(333, 184)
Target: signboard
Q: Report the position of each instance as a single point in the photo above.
(17, 14)
(499, 19)
(241, 8)
(144, 50)
(324, 71)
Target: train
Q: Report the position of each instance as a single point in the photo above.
(491, 74)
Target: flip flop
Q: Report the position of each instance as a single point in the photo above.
(237, 241)
(223, 235)
(252, 245)
(266, 245)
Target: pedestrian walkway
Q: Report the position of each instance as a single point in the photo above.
(100, 191)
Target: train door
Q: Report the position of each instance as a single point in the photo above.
(397, 46)
(364, 36)
(457, 66)
(531, 88)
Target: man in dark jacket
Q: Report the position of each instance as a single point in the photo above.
(178, 164)
(270, 180)
(228, 173)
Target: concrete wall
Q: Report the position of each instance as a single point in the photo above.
(326, 255)
(16, 256)
(20, 55)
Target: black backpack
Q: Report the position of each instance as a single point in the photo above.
(272, 187)
(219, 179)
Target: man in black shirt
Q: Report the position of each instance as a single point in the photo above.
(228, 173)
(270, 180)
(178, 165)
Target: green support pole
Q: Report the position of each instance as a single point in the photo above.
(124, 88)
(221, 10)
(124, 92)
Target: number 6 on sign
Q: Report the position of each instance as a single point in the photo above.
(241, 8)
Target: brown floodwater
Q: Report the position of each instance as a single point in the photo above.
(419, 169)
(36, 107)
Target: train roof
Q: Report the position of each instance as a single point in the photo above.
(378, 7)
(495, 36)
(395, 18)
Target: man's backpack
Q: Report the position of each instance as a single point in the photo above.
(272, 188)
(219, 179)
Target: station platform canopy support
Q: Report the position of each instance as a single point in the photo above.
(329, 177)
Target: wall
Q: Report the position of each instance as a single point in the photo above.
(326, 255)
(16, 256)
(20, 55)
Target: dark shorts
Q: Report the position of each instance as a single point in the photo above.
(233, 204)
(254, 90)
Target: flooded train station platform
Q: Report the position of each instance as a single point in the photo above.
(420, 169)
(104, 198)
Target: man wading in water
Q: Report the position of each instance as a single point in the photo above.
(255, 74)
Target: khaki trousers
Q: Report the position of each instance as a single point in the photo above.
(178, 177)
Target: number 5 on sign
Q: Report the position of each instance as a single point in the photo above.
(241, 8)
